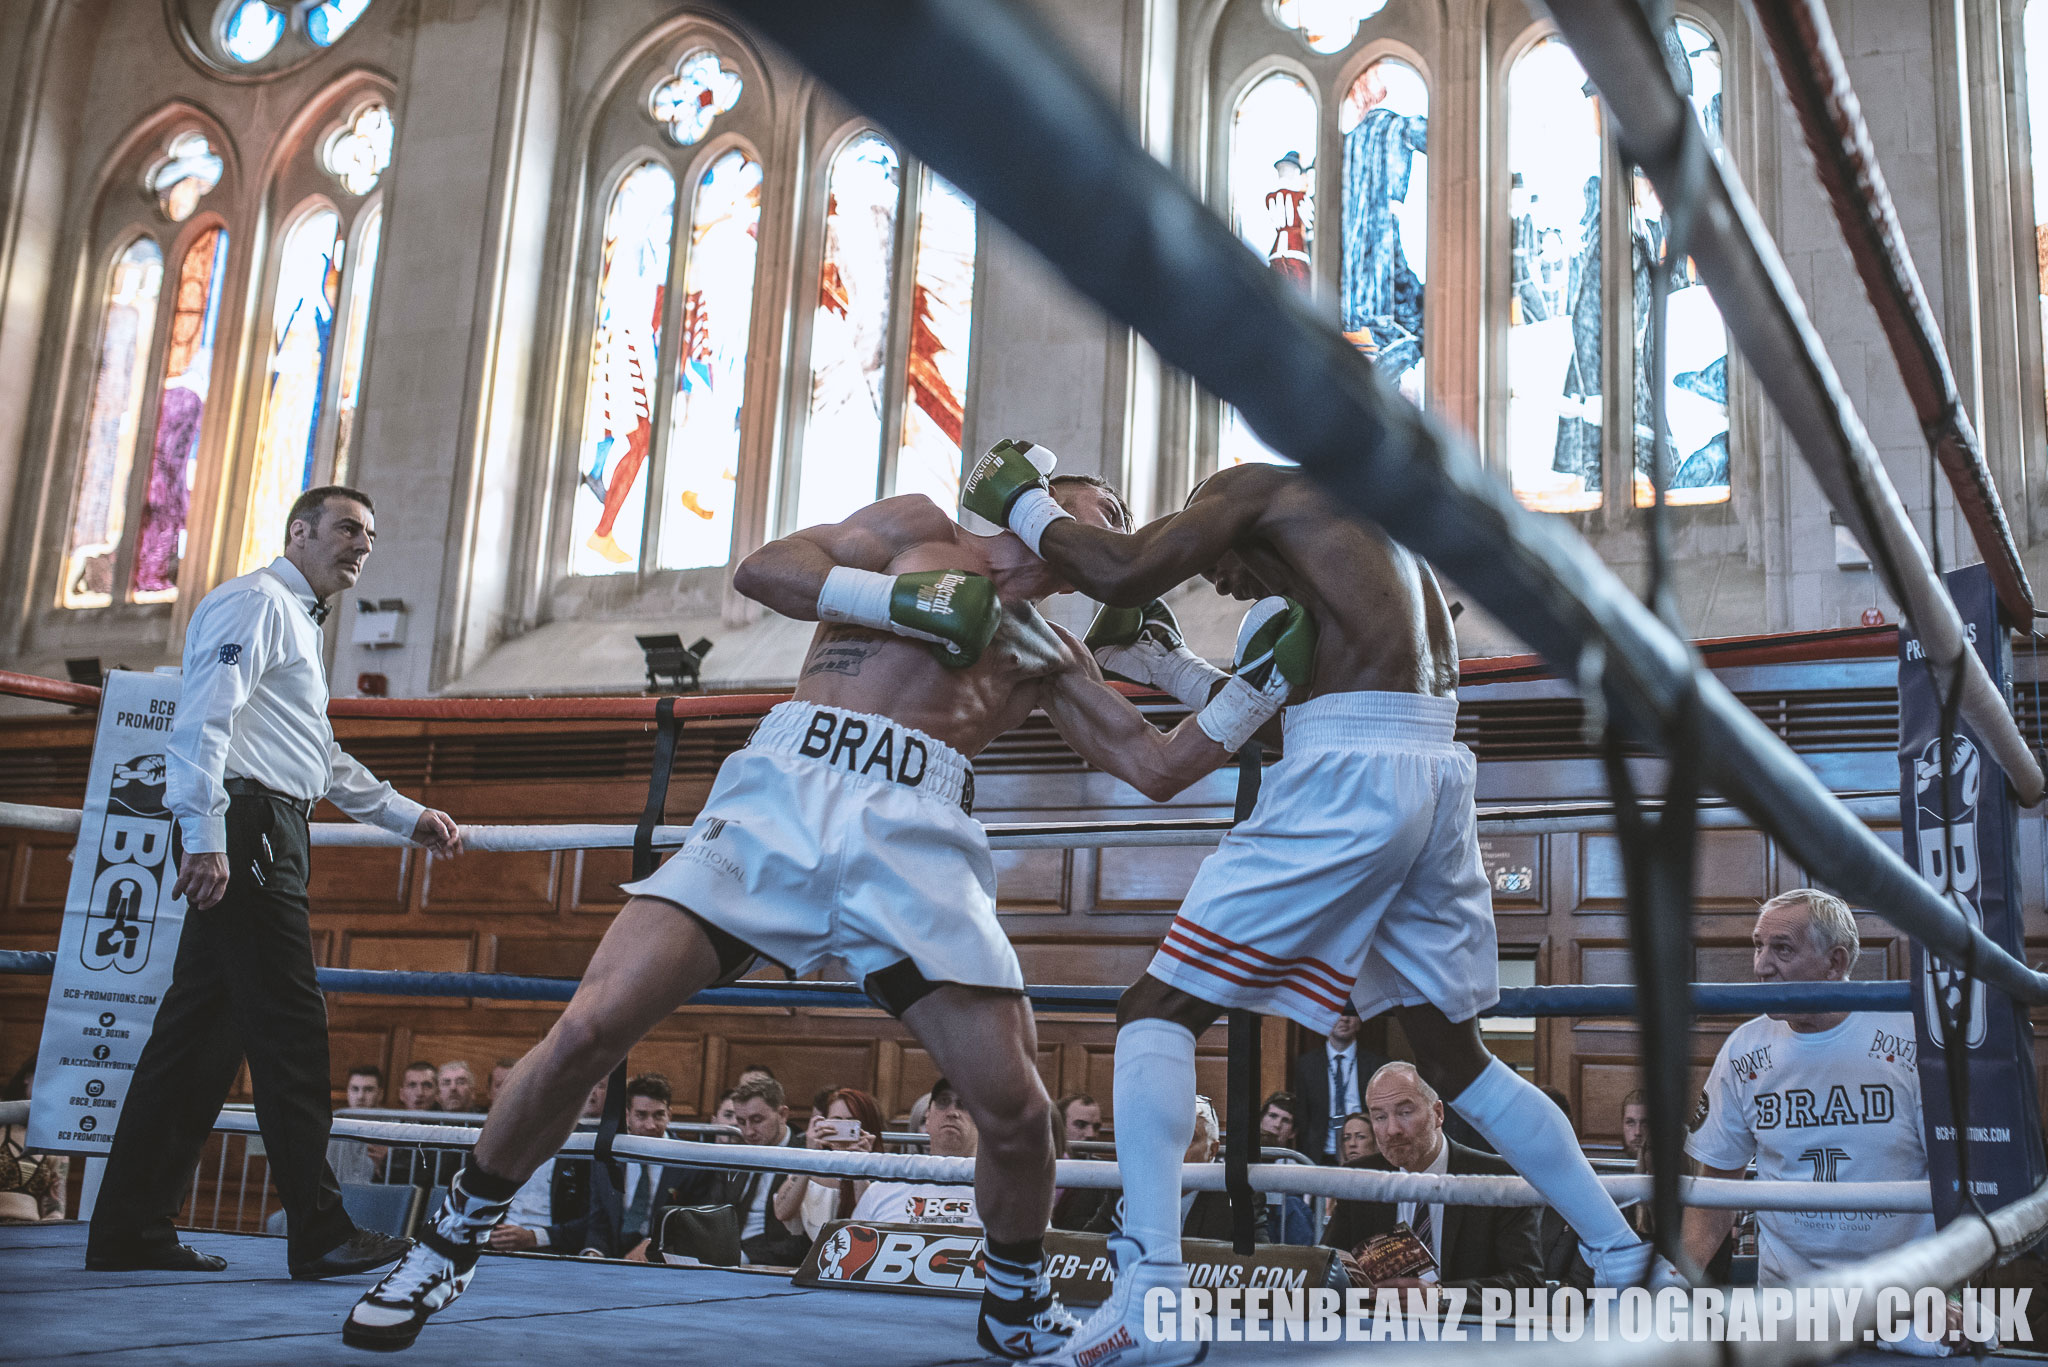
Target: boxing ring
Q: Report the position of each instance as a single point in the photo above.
(979, 92)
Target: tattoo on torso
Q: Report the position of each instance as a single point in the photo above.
(841, 655)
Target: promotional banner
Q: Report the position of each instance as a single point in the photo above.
(937, 1260)
(1962, 836)
(121, 924)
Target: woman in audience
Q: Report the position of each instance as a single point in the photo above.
(851, 1122)
(31, 1183)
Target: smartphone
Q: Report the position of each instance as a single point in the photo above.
(838, 1131)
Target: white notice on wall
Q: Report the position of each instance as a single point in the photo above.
(121, 924)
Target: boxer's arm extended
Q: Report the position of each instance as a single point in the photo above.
(787, 574)
(1107, 731)
(1129, 571)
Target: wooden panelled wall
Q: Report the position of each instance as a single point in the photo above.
(1075, 916)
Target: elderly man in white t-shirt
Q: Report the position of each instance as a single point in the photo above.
(953, 1135)
(1829, 1097)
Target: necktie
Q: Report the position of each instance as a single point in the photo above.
(643, 1199)
(1339, 1098)
(1421, 1225)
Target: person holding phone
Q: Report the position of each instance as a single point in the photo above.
(850, 1122)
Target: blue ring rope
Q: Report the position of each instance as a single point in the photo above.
(1711, 999)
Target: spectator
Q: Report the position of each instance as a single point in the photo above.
(1791, 1085)
(418, 1091)
(953, 1135)
(457, 1086)
(1635, 1123)
(727, 1114)
(615, 1224)
(1355, 1143)
(1330, 1081)
(1476, 1247)
(753, 1072)
(1204, 1214)
(33, 1189)
(761, 1112)
(501, 1073)
(1280, 1123)
(917, 1112)
(810, 1202)
(569, 1185)
(1080, 1120)
(352, 1159)
(1556, 1242)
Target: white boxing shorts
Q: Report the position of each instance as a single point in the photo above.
(839, 834)
(1356, 875)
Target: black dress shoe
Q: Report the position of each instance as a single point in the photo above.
(366, 1249)
(176, 1258)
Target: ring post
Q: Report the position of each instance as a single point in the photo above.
(1241, 1088)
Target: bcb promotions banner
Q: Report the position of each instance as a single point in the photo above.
(1966, 840)
(121, 924)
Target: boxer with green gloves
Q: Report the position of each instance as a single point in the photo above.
(1009, 487)
(1276, 653)
(954, 610)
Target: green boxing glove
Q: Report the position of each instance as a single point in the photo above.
(956, 611)
(1145, 646)
(1276, 654)
(1008, 487)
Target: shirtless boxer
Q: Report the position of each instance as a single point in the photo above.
(842, 831)
(1357, 873)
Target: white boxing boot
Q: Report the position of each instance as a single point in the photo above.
(1114, 1336)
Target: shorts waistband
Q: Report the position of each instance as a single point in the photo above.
(1364, 721)
(868, 746)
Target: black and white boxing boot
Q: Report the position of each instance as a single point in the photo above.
(435, 1270)
(1020, 1315)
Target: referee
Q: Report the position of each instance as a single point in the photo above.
(250, 753)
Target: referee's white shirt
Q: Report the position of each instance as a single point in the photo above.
(254, 705)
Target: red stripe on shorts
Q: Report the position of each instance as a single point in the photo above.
(1221, 969)
(1222, 946)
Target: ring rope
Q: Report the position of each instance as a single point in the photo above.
(1293, 1179)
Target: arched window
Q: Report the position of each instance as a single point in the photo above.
(181, 406)
(267, 36)
(618, 424)
(310, 379)
(1696, 373)
(1384, 120)
(1273, 141)
(1555, 410)
(2034, 30)
(665, 419)
(120, 383)
(941, 327)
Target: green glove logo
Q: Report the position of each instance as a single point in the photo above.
(937, 596)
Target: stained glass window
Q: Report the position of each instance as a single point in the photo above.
(126, 325)
(2034, 31)
(1272, 207)
(360, 149)
(180, 407)
(1696, 387)
(294, 378)
(1325, 25)
(702, 88)
(618, 421)
(252, 31)
(354, 343)
(327, 21)
(188, 170)
(711, 371)
(1555, 410)
(842, 451)
(941, 326)
(1384, 119)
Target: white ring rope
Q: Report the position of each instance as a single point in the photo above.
(1061, 835)
(1354, 1184)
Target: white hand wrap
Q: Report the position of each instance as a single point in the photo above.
(1032, 513)
(857, 597)
(1174, 670)
(1236, 714)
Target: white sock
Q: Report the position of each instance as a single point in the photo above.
(1526, 1128)
(1155, 1123)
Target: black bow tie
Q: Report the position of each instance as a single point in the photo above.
(319, 611)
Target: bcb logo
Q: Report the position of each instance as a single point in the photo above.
(133, 857)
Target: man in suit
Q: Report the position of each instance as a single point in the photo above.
(614, 1223)
(761, 1111)
(1476, 1247)
(1330, 1081)
(1204, 1214)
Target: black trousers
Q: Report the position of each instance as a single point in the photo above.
(243, 985)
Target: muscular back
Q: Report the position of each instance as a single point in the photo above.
(887, 675)
(1383, 621)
